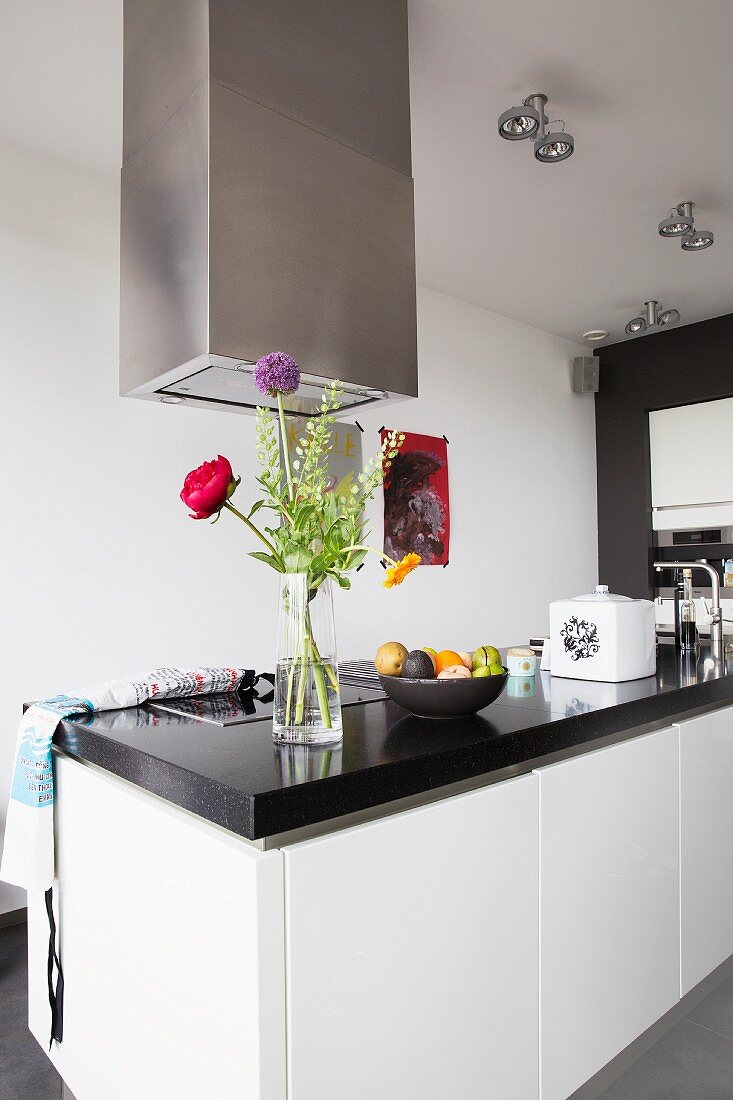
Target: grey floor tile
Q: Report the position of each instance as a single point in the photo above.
(12, 946)
(689, 1063)
(25, 1071)
(716, 1011)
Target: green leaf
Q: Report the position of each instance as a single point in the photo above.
(268, 559)
(298, 560)
(356, 558)
(341, 581)
(255, 508)
(302, 514)
(330, 538)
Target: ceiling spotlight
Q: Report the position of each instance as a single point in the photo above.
(652, 317)
(556, 146)
(681, 223)
(638, 324)
(520, 122)
(594, 334)
(530, 120)
(697, 239)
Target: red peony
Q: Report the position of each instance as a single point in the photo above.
(207, 488)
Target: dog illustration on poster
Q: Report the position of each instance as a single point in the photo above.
(416, 503)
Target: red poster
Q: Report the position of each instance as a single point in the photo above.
(416, 504)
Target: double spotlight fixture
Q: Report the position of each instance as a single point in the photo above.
(652, 317)
(681, 224)
(530, 121)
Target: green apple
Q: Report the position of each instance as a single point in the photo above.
(481, 671)
(496, 669)
(486, 655)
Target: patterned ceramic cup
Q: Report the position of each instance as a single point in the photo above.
(521, 661)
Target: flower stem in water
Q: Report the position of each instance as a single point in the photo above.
(300, 700)
(321, 691)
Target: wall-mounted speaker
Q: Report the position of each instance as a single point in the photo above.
(585, 374)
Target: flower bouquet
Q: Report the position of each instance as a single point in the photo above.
(314, 540)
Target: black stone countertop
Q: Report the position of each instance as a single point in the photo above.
(237, 777)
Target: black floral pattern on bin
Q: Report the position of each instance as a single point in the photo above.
(580, 638)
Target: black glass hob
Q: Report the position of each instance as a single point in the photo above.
(251, 703)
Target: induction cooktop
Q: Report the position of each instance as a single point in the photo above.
(251, 703)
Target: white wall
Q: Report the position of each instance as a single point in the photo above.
(522, 485)
(101, 571)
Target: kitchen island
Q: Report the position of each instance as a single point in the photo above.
(493, 906)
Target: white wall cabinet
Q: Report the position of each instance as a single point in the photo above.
(412, 953)
(172, 947)
(706, 866)
(676, 482)
(609, 890)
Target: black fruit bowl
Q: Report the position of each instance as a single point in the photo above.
(444, 698)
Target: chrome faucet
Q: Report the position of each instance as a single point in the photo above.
(716, 614)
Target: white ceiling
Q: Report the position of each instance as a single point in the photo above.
(645, 88)
(61, 79)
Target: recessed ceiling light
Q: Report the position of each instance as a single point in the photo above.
(595, 334)
(169, 399)
(668, 317)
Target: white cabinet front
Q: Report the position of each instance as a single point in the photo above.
(675, 482)
(172, 946)
(609, 892)
(412, 953)
(706, 870)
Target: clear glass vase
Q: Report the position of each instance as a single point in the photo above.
(307, 700)
(304, 763)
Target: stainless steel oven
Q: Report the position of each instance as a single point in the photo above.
(713, 544)
(690, 538)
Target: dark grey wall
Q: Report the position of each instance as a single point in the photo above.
(680, 367)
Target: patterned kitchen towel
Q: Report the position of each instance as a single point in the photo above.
(28, 854)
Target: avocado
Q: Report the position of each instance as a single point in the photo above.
(418, 666)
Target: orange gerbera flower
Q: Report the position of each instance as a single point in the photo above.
(400, 569)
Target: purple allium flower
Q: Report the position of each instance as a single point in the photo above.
(277, 373)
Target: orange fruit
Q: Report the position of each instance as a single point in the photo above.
(446, 658)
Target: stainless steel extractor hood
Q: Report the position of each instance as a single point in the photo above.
(266, 199)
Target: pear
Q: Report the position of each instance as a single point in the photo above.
(433, 655)
(486, 655)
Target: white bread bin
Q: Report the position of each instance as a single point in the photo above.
(603, 637)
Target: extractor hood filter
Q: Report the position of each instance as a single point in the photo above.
(263, 214)
(225, 385)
